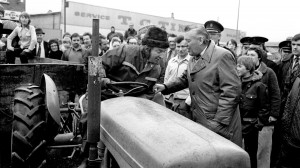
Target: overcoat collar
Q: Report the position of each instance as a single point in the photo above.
(288, 57)
(262, 68)
(204, 59)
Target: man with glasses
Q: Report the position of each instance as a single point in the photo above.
(176, 66)
(214, 29)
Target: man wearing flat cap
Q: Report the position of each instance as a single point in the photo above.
(214, 29)
(41, 48)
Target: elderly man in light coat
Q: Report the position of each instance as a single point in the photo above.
(214, 86)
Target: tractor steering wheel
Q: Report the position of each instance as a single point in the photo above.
(127, 88)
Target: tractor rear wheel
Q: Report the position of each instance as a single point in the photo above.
(33, 127)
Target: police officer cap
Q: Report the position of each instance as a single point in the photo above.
(245, 40)
(213, 26)
(286, 46)
(257, 40)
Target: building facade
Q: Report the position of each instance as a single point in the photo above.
(79, 19)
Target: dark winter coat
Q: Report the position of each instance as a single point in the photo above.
(215, 89)
(130, 32)
(269, 63)
(46, 49)
(291, 118)
(55, 55)
(284, 78)
(270, 80)
(254, 105)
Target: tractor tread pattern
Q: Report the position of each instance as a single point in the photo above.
(29, 127)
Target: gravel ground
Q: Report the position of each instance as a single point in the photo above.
(57, 158)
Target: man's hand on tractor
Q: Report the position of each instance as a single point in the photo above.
(159, 88)
(26, 50)
(105, 81)
(11, 48)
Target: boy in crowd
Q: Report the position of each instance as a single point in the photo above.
(253, 105)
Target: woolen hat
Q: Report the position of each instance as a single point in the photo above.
(156, 37)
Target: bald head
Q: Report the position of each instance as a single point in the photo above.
(199, 32)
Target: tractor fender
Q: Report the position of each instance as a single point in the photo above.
(51, 97)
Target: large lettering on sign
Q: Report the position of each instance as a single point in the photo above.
(79, 14)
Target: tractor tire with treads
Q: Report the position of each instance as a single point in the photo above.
(33, 127)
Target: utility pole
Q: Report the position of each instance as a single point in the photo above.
(66, 4)
(237, 24)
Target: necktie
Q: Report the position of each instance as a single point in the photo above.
(296, 64)
(169, 55)
(39, 50)
(295, 70)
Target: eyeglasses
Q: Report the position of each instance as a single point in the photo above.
(184, 46)
(53, 45)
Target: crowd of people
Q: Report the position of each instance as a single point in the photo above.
(244, 97)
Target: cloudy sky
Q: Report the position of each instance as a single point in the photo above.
(274, 19)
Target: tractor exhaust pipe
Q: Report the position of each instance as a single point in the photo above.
(94, 102)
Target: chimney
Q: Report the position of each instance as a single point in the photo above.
(172, 15)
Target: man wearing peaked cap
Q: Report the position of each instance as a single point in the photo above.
(289, 125)
(285, 48)
(214, 29)
(245, 44)
(258, 41)
(265, 135)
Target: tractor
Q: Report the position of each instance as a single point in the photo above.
(36, 115)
